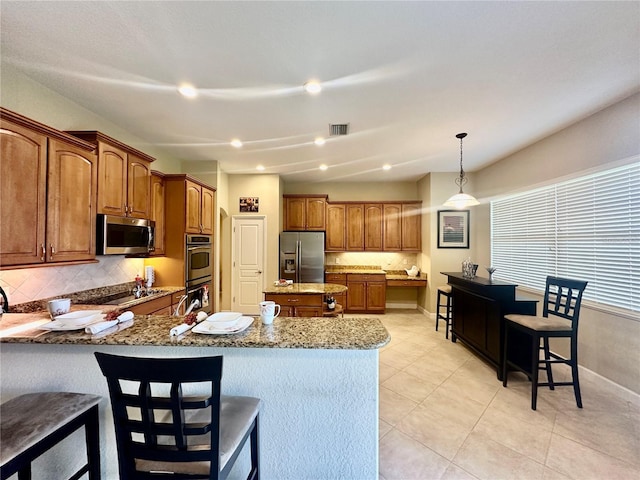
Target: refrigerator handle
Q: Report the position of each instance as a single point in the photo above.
(298, 259)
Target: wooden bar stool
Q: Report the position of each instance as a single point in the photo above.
(33, 423)
(444, 291)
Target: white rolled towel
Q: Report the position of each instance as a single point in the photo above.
(102, 326)
(180, 329)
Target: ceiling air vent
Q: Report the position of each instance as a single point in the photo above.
(338, 129)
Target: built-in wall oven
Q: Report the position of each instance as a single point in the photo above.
(198, 272)
(199, 259)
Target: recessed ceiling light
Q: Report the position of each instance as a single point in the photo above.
(312, 87)
(236, 143)
(386, 166)
(188, 91)
(323, 167)
(319, 141)
(260, 168)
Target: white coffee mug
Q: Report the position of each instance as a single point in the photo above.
(269, 311)
(59, 306)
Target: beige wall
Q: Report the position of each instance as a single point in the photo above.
(31, 99)
(267, 189)
(609, 343)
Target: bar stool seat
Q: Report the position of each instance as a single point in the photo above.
(33, 423)
(444, 292)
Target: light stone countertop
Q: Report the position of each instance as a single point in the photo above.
(374, 270)
(285, 332)
(306, 289)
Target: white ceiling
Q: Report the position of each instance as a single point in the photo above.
(406, 76)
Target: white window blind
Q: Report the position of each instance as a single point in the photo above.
(587, 229)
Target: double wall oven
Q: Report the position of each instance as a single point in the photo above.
(198, 271)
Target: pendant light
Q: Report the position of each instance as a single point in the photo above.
(461, 200)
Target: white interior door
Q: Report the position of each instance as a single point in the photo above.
(247, 271)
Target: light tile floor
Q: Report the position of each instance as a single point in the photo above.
(445, 415)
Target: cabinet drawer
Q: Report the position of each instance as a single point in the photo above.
(406, 283)
(369, 278)
(294, 300)
(339, 278)
(152, 306)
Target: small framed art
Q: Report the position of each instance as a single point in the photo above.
(249, 204)
(453, 228)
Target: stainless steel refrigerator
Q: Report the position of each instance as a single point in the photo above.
(302, 256)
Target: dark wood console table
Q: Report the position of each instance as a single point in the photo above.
(479, 307)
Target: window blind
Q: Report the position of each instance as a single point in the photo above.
(586, 228)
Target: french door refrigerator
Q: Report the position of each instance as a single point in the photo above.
(302, 256)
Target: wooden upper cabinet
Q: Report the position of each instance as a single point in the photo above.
(112, 180)
(208, 209)
(71, 203)
(200, 207)
(355, 227)
(23, 194)
(392, 227)
(373, 227)
(411, 227)
(47, 194)
(139, 187)
(124, 176)
(336, 231)
(303, 212)
(194, 204)
(158, 210)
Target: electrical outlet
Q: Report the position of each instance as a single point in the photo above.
(404, 261)
(337, 260)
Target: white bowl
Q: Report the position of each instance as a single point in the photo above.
(224, 319)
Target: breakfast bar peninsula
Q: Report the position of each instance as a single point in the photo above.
(317, 378)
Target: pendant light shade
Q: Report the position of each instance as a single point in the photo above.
(461, 200)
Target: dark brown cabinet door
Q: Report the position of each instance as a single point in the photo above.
(194, 205)
(335, 238)
(23, 190)
(139, 187)
(112, 180)
(373, 227)
(411, 226)
(357, 295)
(392, 218)
(157, 211)
(315, 214)
(376, 296)
(207, 210)
(355, 227)
(71, 203)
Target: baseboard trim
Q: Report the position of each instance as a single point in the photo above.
(619, 390)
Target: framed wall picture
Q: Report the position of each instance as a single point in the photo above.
(453, 228)
(249, 204)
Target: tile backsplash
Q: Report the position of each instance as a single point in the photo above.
(29, 284)
(386, 260)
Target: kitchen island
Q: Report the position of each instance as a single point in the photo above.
(303, 299)
(317, 377)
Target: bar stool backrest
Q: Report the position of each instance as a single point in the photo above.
(150, 399)
(563, 297)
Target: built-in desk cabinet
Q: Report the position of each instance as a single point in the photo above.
(47, 194)
(366, 293)
(124, 176)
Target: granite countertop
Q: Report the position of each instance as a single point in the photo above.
(285, 332)
(91, 297)
(373, 270)
(307, 289)
(363, 269)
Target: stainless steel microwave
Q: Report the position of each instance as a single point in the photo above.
(124, 235)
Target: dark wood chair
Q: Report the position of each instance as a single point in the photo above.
(166, 427)
(445, 301)
(560, 315)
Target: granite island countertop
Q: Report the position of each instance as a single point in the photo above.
(306, 289)
(153, 330)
